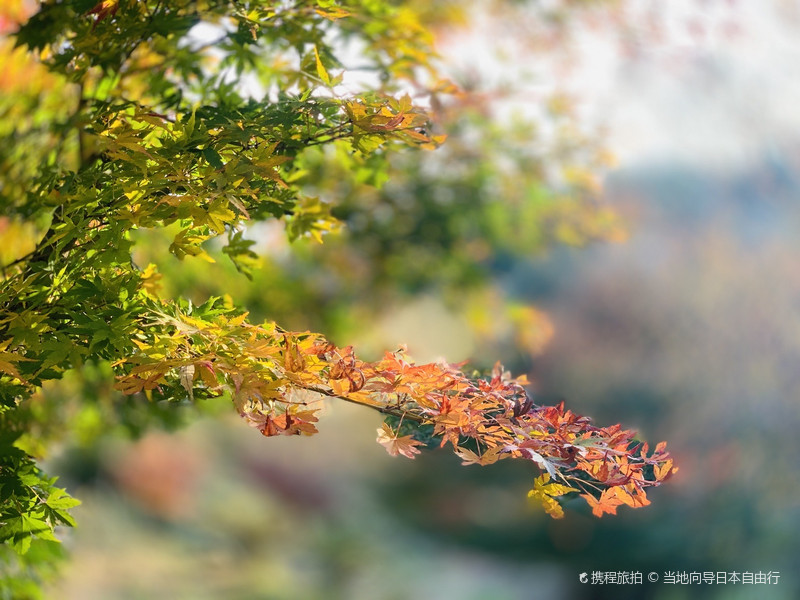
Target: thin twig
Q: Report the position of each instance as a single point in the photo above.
(383, 410)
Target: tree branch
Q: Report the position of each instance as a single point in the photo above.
(384, 410)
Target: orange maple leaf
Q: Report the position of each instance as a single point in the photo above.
(607, 503)
(664, 471)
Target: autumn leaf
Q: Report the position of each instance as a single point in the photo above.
(664, 470)
(628, 494)
(187, 378)
(490, 456)
(405, 445)
(299, 423)
(607, 503)
(546, 493)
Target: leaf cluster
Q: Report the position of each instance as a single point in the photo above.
(277, 380)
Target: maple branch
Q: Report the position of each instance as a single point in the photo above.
(383, 410)
(81, 142)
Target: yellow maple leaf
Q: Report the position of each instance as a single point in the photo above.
(546, 493)
(321, 71)
(151, 281)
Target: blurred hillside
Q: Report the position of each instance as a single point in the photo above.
(689, 332)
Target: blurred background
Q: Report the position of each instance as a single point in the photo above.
(616, 214)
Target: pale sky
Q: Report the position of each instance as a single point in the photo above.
(710, 82)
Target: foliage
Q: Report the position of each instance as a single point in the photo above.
(138, 119)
